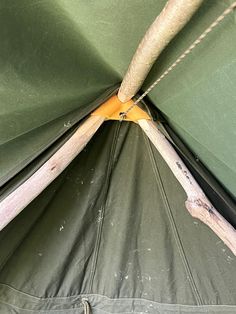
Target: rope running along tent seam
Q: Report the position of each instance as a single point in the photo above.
(181, 57)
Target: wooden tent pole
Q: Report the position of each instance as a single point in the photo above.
(171, 20)
(16, 201)
(197, 203)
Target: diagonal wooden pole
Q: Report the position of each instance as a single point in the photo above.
(173, 17)
(197, 203)
(16, 201)
(171, 20)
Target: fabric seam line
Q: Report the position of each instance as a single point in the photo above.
(103, 207)
(173, 225)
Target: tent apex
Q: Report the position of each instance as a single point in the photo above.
(113, 109)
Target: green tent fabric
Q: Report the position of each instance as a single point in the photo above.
(57, 56)
(86, 236)
(113, 228)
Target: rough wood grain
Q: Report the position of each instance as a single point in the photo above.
(171, 20)
(15, 202)
(197, 203)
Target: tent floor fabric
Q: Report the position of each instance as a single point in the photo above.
(113, 228)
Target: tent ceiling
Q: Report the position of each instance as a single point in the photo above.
(78, 49)
(201, 89)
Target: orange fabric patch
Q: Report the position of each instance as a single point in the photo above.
(112, 108)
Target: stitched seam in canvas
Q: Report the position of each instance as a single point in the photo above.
(103, 206)
(173, 225)
(121, 299)
(105, 298)
(169, 307)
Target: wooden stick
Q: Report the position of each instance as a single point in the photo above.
(15, 202)
(197, 203)
(171, 20)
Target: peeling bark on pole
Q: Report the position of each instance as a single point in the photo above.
(171, 20)
(15, 202)
(197, 203)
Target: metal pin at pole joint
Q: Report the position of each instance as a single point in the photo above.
(122, 116)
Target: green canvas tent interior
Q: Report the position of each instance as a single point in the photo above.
(111, 233)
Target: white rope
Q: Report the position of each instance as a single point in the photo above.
(182, 56)
(86, 306)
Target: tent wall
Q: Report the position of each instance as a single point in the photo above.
(49, 74)
(80, 237)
